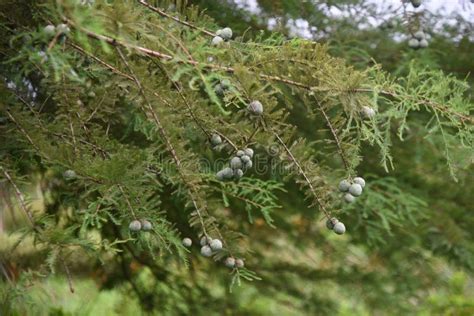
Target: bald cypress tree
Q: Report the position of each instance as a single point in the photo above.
(134, 122)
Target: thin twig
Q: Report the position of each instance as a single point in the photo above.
(100, 61)
(193, 116)
(68, 275)
(74, 143)
(160, 55)
(153, 53)
(86, 131)
(255, 131)
(6, 273)
(180, 43)
(163, 135)
(336, 138)
(35, 113)
(227, 140)
(114, 70)
(127, 201)
(53, 41)
(22, 130)
(164, 14)
(440, 107)
(303, 174)
(150, 110)
(20, 198)
(301, 85)
(185, 101)
(28, 213)
(256, 204)
(191, 189)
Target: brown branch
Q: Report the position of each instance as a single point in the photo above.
(440, 107)
(127, 201)
(153, 53)
(22, 130)
(160, 55)
(68, 275)
(163, 135)
(255, 131)
(227, 140)
(53, 41)
(303, 174)
(164, 14)
(100, 61)
(185, 101)
(193, 116)
(206, 32)
(20, 198)
(301, 85)
(336, 138)
(171, 149)
(74, 143)
(30, 217)
(150, 110)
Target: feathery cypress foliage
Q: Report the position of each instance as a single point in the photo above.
(114, 116)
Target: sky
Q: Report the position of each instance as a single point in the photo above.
(445, 7)
(464, 7)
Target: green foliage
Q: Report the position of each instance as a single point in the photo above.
(385, 211)
(127, 101)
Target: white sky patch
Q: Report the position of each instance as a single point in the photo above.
(299, 27)
(249, 5)
(272, 23)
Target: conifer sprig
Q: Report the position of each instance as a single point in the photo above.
(37, 229)
(430, 103)
(169, 16)
(302, 172)
(232, 70)
(164, 135)
(131, 106)
(172, 151)
(336, 138)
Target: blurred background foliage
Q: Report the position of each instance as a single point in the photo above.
(418, 262)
